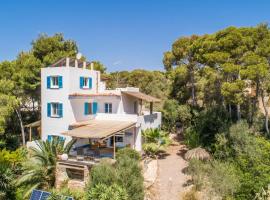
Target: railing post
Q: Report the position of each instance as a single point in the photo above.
(67, 62)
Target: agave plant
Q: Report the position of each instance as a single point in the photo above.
(39, 170)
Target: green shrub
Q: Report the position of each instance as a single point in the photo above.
(191, 138)
(131, 153)
(103, 173)
(105, 192)
(151, 149)
(129, 176)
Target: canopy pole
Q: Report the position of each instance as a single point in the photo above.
(30, 134)
(114, 146)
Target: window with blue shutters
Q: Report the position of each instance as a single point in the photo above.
(50, 137)
(55, 110)
(88, 110)
(85, 82)
(54, 82)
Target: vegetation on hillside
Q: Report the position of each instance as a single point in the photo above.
(214, 89)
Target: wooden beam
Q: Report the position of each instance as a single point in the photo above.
(151, 108)
(114, 147)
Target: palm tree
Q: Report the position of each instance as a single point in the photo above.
(39, 170)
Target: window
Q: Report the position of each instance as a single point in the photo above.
(88, 109)
(54, 82)
(55, 109)
(85, 82)
(108, 107)
(119, 138)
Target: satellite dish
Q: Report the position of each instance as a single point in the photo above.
(78, 56)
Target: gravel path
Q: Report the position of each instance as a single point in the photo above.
(171, 179)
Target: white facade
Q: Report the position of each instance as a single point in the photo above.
(68, 100)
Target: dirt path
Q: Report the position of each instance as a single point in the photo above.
(170, 181)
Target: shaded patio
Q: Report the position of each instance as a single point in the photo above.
(99, 133)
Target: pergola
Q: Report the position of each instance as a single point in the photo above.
(99, 129)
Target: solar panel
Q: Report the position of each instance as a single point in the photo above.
(36, 194)
(42, 195)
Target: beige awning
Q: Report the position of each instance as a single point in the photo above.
(33, 124)
(99, 129)
(142, 96)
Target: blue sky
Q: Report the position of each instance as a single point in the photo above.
(122, 34)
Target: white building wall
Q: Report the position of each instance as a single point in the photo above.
(144, 122)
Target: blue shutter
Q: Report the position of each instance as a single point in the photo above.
(48, 109)
(60, 107)
(90, 83)
(60, 81)
(86, 108)
(81, 82)
(48, 82)
(49, 138)
(95, 108)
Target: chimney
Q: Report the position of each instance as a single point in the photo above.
(84, 65)
(92, 66)
(76, 63)
(67, 62)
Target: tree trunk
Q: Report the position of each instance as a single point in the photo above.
(230, 111)
(238, 112)
(266, 113)
(194, 103)
(255, 102)
(18, 112)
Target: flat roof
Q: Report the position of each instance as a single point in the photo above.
(99, 129)
(93, 95)
(142, 96)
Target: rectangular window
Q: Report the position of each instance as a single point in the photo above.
(54, 82)
(56, 110)
(108, 107)
(88, 109)
(85, 82)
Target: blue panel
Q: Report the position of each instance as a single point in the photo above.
(48, 82)
(60, 81)
(95, 107)
(86, 108)
(81, 82)
(90, 83)
(50, 138)
(36, 194)
(45, 195)
(48, 109)
(60, 107)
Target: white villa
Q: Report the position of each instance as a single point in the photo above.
(76, 104)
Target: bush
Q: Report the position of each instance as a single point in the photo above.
(103, 173)
(151, 149)
(126, 173)
(131, 153)
(215, 177)
(191, 138)
(129, 176)
(105, 192)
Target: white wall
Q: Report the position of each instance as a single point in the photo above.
(144, 122)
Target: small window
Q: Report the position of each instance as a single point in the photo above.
(55, 110)
(85, 82)
(54, 82)
(119, 138)
(108, 107)
(88, 110)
